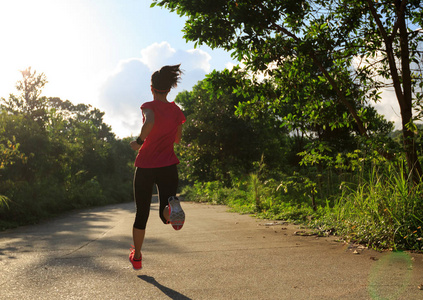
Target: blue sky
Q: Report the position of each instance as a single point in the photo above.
(100, 52)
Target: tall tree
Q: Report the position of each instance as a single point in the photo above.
(308, 105)
(263, 33)
(216, 142)
(29, 102)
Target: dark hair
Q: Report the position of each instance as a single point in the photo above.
(166, 78)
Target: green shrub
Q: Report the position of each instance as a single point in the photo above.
(381, 209)
(384, 211)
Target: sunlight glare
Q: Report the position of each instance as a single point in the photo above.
(50, 36)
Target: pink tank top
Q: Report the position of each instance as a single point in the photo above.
(157, 149)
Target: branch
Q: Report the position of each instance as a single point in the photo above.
(390, 53)
(287, 32)
(382, 30)
(332, 82)
(397, 22)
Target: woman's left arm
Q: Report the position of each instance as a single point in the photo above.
(148, 123)
(145, 130)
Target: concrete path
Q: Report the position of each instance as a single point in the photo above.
(217, 255)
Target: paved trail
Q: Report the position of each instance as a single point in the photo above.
(217, 255)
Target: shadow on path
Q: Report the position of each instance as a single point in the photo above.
(167, 291)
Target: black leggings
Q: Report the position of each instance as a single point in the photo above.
(166, 179)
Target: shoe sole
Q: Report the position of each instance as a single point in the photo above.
(136, 269)
(177, 214)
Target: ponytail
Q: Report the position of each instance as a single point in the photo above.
(166, 78)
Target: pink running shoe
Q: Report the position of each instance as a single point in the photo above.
(176, 213)
(136, 263)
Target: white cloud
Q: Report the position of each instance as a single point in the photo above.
(389, 108)
(157, 55)
(230, 65)
(122, 94)
(128, 86)
(154, 55)
(196, 59)
(388, 105)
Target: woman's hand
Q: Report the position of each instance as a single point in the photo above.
(134, 145)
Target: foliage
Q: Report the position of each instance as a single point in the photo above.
(384, 211)
(29, 102)
(9, 149)
(328, 181)
(217, 144)
(316, 67)
(356, 47)
(380, 209)
(57, 156)
(251, 197)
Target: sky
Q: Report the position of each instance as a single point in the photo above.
(103, 52)
(99, 52)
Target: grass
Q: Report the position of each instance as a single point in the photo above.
(4, 201)
(31, 203)
(382, 210)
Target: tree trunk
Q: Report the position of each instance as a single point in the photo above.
(413, 163)
(402, 82)
(414, 167)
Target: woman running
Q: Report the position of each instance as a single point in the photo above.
(156, 160)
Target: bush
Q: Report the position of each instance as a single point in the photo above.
(385, 211)
(382, 210)
(250, 196)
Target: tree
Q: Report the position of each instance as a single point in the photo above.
(9, 148)
(9, 152)
(308, 106)
(29, 102)
(264, 33)
(218, 144)
(55, 155)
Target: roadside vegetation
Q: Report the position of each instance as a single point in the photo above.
(296, 136)
(380, 211)
(346, 188)
(56, 156)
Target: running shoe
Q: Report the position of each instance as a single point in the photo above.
(176, 213)
(136, 263)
